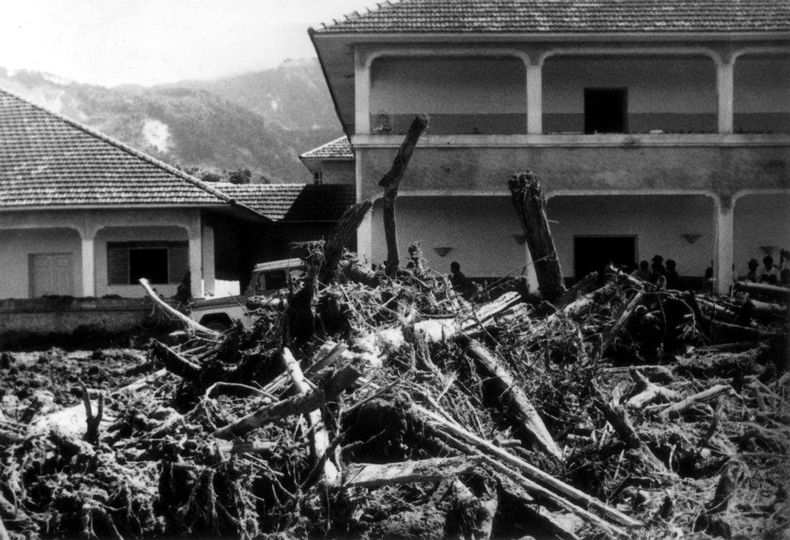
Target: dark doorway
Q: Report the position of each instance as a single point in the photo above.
(605, 110)
(594, 253)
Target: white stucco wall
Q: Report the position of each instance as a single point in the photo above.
(479, 229)
(60, 231)
(462, 95)
(658, 221)
(448, 85)
(16, 245)
(762, 84)
(760, 220)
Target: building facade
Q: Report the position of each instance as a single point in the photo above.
(656, 127)
(84, 215)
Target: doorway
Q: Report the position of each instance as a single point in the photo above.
(605, 110)
(595, 253)
(51, 274)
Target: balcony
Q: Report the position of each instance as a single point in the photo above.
(602, 163)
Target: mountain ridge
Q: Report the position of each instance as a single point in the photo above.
(259, 121)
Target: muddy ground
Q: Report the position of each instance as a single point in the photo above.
(35, 382)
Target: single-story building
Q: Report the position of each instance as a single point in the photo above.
(84, 215)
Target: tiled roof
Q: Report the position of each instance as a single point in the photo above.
(340, 148)
(49, 160)
(560, 16)
(294, 202)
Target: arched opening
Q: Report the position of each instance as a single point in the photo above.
(761, 94)
(641, 94)
(761, 228)
(591, 231)
(462, 95)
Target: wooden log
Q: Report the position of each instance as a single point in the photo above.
(578, 289)
(174, 362)
(526, 416)
(531, 472)
(508, 474)
(705, 395)
(405, 472)
(345, 229)
(170, 310)
(724, 332)
(3, 531)
(612, 331)
(390, 182)
(474, 517)
(320, 438)
(618, 419)
(648, 392)
(781, 294)
(531, 209)
(436, 330)
(301, 404)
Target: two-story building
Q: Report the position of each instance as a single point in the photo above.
(656, 126)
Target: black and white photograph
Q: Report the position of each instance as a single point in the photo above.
(402, 269)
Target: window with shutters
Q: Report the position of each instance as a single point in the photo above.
(158, 262)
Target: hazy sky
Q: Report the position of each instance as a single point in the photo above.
(113, 42)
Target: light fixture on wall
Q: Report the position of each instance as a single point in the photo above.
(691, 237)
(442, 251)
(768, 250)
(520, 239)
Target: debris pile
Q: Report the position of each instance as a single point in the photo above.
(385, 404)
(410, 412)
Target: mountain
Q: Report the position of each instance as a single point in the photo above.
(258, 121)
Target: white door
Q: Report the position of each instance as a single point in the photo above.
(51, 274)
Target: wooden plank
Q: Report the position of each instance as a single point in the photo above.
(406, 472)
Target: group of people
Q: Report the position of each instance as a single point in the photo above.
(662, 275)
(769, 272)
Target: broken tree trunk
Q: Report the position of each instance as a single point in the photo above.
(766, 289)
(405, 472)
(92, 420)
(618, 418)
(578, 289)
(705, 395)
(390, 182)
(531, 209)
(532, 473)
(527, 416)
(314, 419)
(175, 362)
(341, 236)
(648, 392)
(170, 310)
(301, 404)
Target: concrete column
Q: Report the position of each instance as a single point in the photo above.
(365, 238)
(722, 270)
(361, 94)
(534, 99)
(88, 264)
(196, 263)
(724, 87)
(209, 265)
